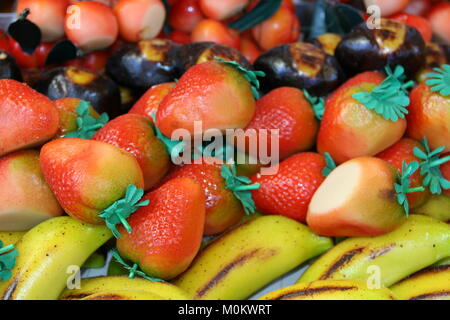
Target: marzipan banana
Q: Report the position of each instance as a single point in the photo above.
(243, 260)
(419, 242)
(443, 262)
(124, 295)
(11, 237)
(46, 252)
(93, 286)
(330, 290)
(432, 283)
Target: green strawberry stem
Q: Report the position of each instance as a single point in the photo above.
(173, 147)
(402, 187)
(24, 14)
(87, 125)
(7, 261)
(134, 269)
(120, 210)
(6, 249)
(439, 81)
(240, 186)
(390, 98)
(251, 76)
(255, 186)
(317, 104)
(330, 164)
(430, 167)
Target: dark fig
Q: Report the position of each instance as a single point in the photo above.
(435, 57)
(99, 90)
(328, 42)
(198, 52)
(8, 67)
(301, 65)
(144, 64)
(393, 44)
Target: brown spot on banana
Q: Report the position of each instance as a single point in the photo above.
(108, 297)
(313, 291)
(342, 261)
(440, 295)
(381, 251)
(258, 253)
(9, 292)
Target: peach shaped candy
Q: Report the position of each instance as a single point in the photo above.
(364, 116)
(25, 198)
(91, 25)
(88, 176)
(362, 197)
(147, 19)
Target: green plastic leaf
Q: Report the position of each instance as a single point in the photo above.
(439, 81)
(87, 125)
(240, 186)
(202, 151)
(261, 12)
(330, 164)
(251, 76)
(132, 269)
(430, 167)
(318, 105)
(7, 261)
(402, 187)
(390, 98)
(120, 210)
(173, 147)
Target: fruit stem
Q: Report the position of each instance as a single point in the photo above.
(24, 14)
(6, 249)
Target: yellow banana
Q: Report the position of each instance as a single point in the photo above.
(432, 283)
(443, 262)
(330, 290)
(416, 244)
(243, 260)
(124, 295)
(11, 237)
(97, 285)
(437, 206)
(45, 254)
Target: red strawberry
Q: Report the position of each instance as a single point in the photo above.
(148, 104)
(404, 151)
(88, 176)
(429, 116)
(288, 110)
(349, 129)
(25, 198)
(223, 208)
(166, 234)
(67, 109)
(289, 191)
(212, 92)
(27, 118)
(134, 133)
